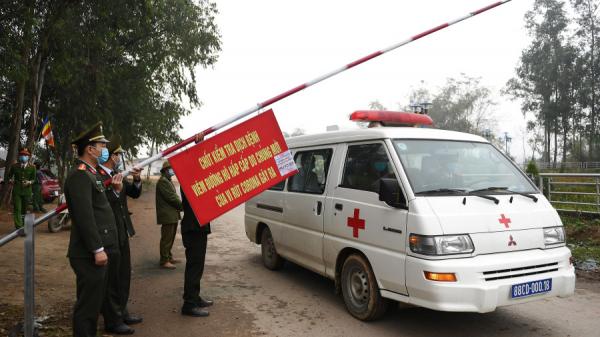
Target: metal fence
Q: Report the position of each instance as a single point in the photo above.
(572, 192)
(565, 165)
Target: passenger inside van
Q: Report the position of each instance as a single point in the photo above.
(365, 166)
(306, 180)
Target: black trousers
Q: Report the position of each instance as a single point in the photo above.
(91, 283)
(195, 252)
(111, 306)
(124, 283)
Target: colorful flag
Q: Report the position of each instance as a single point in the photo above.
(47, 132)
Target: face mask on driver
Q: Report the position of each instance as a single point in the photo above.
(380, 166)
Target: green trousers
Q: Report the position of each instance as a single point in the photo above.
(167, 237)
(20, 204)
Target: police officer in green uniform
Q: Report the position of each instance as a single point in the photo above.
(22, 174)
(119, 285)
(93, 244)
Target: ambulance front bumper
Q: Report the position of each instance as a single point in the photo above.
(485, 282)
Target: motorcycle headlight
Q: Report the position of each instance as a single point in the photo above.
(441, 244)
(554, 235)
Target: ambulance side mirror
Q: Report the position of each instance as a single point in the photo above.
(391, 194)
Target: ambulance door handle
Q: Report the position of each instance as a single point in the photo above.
(319, 207)
(339, 207)
(394, 230)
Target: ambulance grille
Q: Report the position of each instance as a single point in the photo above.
(521, 271)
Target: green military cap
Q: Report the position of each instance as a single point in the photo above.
(91, 135)
(115, 148)
(165, 165)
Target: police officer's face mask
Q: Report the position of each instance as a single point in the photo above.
(23, 159)
(103, 157)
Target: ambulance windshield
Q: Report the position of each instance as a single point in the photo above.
(452, 167)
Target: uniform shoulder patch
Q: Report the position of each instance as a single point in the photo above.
(81, 167)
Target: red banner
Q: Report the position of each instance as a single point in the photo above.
(224, 171)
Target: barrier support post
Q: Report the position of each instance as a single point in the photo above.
(28, 318)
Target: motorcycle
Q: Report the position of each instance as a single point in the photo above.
(56, 223)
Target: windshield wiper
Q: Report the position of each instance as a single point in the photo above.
(504, 188)
(443, 190)
(488, 197)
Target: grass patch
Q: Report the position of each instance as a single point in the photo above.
(583, 237)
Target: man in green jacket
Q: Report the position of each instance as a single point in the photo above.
(168, 206)
(22, 174)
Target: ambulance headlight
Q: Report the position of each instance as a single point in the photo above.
(441, 245)
(554, 235)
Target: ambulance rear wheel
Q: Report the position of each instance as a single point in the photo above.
(270, 258)
(360, 290)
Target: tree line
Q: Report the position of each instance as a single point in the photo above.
(461, 104)
(557, 80)
(131, 64)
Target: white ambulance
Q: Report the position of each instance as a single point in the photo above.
(433, 218)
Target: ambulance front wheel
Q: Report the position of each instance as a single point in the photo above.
(270, 258)
(360, 290)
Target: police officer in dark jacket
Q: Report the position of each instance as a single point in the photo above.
(194, 239)
(93, 245)
(114, 310)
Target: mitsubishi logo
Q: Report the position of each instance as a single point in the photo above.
(511, 241)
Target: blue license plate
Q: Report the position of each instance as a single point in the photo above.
(530, 288)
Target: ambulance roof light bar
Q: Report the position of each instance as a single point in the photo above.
(391, 118)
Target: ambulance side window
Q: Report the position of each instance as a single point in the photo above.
(278, 187)
(313, 166)
(365, 165)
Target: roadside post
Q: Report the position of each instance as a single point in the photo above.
(28, 317)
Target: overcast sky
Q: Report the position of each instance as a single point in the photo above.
(271, 46)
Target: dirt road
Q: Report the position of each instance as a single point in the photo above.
(252, 301)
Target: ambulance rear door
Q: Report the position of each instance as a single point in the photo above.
(305, 205)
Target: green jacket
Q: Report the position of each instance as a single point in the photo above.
(168, 203)
(92, 217)
(20, 175)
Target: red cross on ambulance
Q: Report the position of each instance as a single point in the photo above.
(504, 220)
(356, 223)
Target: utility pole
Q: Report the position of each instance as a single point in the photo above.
(506, 139)
(421, 108)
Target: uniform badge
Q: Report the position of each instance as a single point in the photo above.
(81, 167)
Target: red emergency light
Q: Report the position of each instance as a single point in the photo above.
(391, 118)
